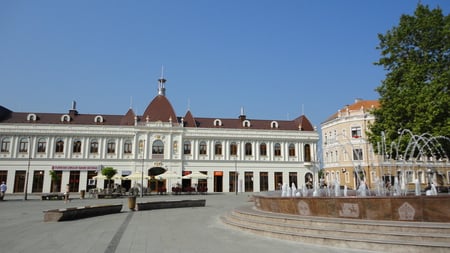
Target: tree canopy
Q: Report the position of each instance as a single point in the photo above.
(415, 93)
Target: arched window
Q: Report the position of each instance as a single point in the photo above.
(187, 148)
(218, 148)
(246, 123)
(42, 145)
(217, 122)
(76, 146)
(202, 148)
(98, 119)
(111, 147)
(31, 117)
(23, 145)
(277, 149)
(65, 118)
(248, 148)
(233, 148)
(158, 147)
(59, 148)
(291, 149)
(307, 153)
(127, 147)
(94, 146)
(273, 124)
(6, 144)
(263, 149)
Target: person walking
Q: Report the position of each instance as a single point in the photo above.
(66, 194)
(2, 190)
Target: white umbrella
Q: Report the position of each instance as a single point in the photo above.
(168, 175)
(99, 176)
(136, 176)
(196, 175)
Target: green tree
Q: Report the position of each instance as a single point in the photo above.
(109, 172)
(415, 93)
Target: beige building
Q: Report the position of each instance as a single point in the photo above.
(345, 148)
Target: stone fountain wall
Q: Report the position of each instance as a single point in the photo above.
(402, 208)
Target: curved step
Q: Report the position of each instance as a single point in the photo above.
(348, 233)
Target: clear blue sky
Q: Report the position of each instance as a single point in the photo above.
(276, 59)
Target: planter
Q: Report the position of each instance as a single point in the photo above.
(132, 203)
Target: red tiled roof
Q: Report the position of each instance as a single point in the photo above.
(159, 109)
(365, 104)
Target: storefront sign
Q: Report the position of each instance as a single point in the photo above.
(94, 168)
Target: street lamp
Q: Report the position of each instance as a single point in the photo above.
(142, 171)
(28, 169)
(235, 176)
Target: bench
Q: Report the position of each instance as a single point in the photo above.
(109, 196)
(170, 204)
(52, 196)
(80, 212)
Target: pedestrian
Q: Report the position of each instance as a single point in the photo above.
(2, 190)
(66, 194)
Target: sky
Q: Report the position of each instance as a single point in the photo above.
(276, 59)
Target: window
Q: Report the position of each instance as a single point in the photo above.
(76, 146)
(263, 149)
(127, 147)
(246, 123)
(111, 147)
(202, 150)
(187, 148)
(356, 132)
(274, 124)
(23, 145)
(6, 144)
(218, 148)
(158, 147)
(233, 148)
(217, 122)
(94, 146)
(277, 149)
(42, 145)
(65, 118)
(59, 148)
(291, 149)
(248, 148)
(357, 154)
(307, 153)
(98, 119)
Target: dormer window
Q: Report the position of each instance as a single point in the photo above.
(98, 119)
(246, 123)
(65, 118)
(217, 122)
(273, 124)
(31, 117)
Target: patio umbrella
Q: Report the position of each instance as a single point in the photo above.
(136, 176)
(196, 175)
(99, 176)
(168, 175)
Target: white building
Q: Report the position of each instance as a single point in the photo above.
(258, 154)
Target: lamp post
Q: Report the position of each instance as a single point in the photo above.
(235, 176)
(28, 170)
(142, 171)
(235, 169)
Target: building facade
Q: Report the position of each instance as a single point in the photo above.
(240, 154)
(348, 156)
(345, 147)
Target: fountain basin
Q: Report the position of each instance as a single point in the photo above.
(394, 208)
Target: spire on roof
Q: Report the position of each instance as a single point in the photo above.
(161, 81)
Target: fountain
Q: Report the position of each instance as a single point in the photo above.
(386, 201)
